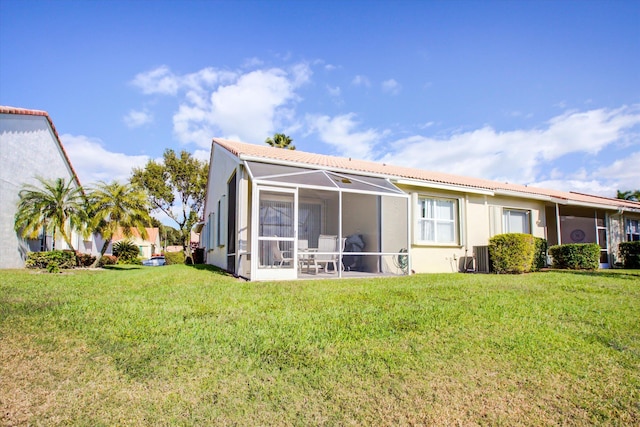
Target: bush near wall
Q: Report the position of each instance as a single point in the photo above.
(576, 256)
(107, 260)
(630, 254)
(127, 252)
(540, 254)
(84, 260)
(51, 260)
(512, 253)
(173, 258)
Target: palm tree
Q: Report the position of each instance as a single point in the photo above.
(117, 206)
(54, 205)
(280, 140)
(629, 195)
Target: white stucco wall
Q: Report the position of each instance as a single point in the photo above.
(28, 148)
(222, 166)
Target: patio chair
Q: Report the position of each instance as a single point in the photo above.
(303, 253)
(322, 260)
(280, 257)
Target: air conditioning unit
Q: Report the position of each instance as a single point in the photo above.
(481, 254)
(467, 264)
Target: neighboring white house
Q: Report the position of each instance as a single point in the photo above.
(284, 214)
(29, 148)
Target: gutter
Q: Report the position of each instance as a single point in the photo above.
(437, 186)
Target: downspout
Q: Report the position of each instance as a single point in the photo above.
(465, 237)
(466, 225)
(558, 224)
(409, 233)
(239, 251)
(254, 229)
(340, 232)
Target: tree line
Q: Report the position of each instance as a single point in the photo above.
(175, 186)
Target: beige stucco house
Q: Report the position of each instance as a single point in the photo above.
(30, 147)
(147, 247)
(285, 214)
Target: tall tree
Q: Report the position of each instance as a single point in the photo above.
(629, 195)
(280, 140)
(53, 205)
(176, 187)
(117, 206)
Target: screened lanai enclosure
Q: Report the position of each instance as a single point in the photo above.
(316, 223)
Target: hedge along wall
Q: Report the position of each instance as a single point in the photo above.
(51, 259)
(630, 254)
(517, 253)
(576, 256)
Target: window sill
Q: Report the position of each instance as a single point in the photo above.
(437, 245)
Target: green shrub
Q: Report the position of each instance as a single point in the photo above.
(512, 252)
(107, 260)
(129, 261)
(51, 260)
(576, 256)
(173, 258)
(540, 254)
(126, 251)
(84, 260)
(630, 254)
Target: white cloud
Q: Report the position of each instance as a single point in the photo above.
(92, 162)
(203, 155)
(244, 105)
(592, 186)
(361, 81)
(334, 91)
(248, 106)
(391, 86)
(624, 173)
(340, 132)
(138, 118)
(252, 63)
(163, 81)
(251, 106)
(517, 156)
(158, 81)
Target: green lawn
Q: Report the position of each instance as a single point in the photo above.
(179, 345)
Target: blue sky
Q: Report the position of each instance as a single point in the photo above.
(539, 93)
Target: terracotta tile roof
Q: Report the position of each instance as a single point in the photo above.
(322, 161)
(27, 112)
(152, 234)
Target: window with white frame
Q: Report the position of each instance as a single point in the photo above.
(633, 230)
(211, 231)
(220, 225)
(437, 220)
(516, 221)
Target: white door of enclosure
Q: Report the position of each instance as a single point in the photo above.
(275, 226)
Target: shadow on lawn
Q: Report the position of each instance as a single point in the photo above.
(210, 268)
(122, 267)
(614, 274)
